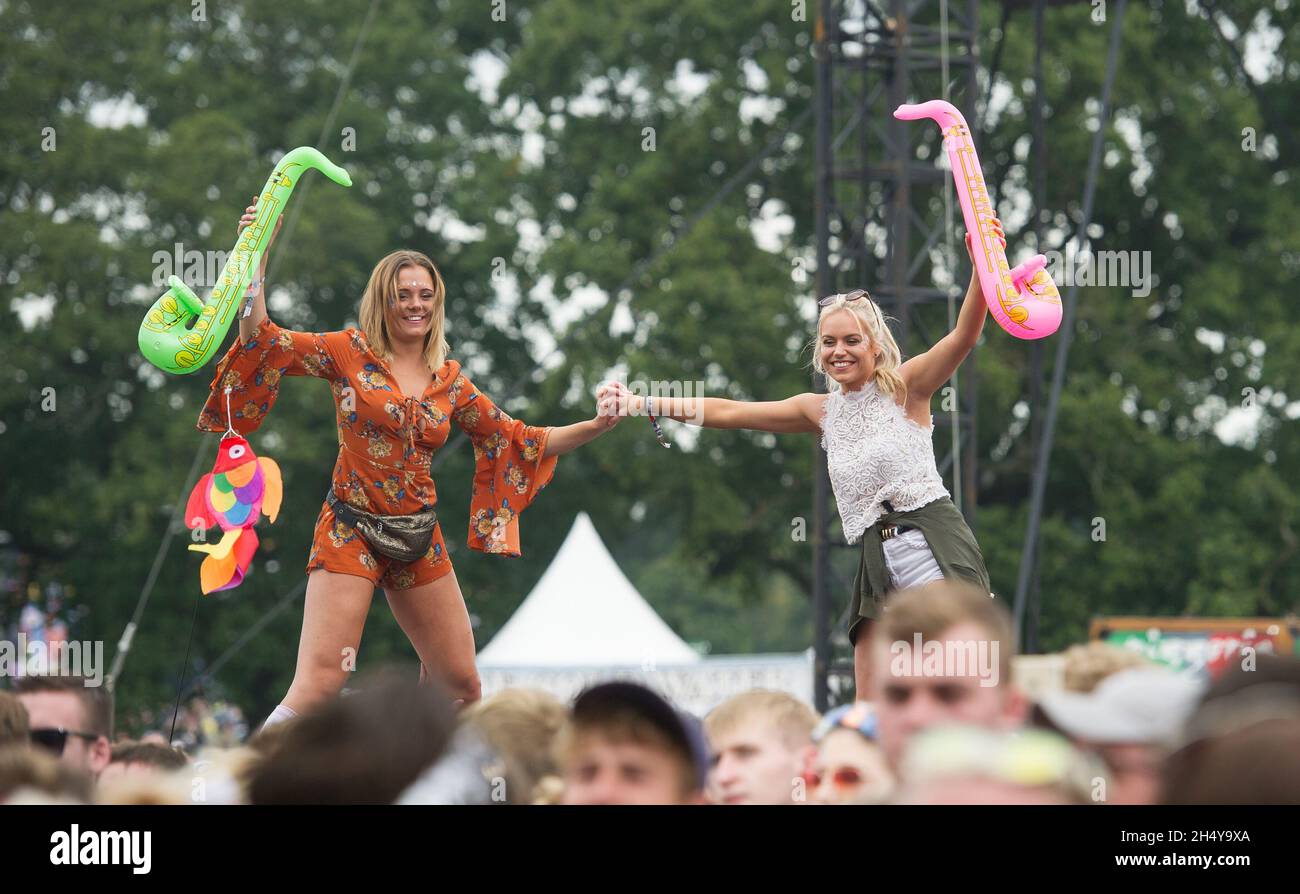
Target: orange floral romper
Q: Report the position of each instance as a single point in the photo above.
(386, 443)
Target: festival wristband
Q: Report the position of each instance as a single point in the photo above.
(659, 432)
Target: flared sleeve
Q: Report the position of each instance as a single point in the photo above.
(510, 467)
(253, 369)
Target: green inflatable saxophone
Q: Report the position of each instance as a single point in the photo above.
(166, 338)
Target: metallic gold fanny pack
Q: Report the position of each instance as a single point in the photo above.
(403, 538)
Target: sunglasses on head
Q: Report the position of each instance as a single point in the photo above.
(847, 296)
(54, 738)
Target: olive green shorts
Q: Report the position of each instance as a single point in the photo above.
(949, 539)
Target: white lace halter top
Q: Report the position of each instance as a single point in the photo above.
(875, 453)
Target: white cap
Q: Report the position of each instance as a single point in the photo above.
(1139, 705)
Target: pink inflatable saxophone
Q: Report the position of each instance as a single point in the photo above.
(1023, 299)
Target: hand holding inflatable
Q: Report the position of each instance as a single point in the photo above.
(1023, 300)
(165, 340)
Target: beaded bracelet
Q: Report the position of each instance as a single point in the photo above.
(659, 432)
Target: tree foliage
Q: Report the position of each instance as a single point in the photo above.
(542, 161)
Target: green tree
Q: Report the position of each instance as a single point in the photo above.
(546, 161)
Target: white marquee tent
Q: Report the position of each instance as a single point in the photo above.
(584, 622)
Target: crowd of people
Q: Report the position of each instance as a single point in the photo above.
(944, 723)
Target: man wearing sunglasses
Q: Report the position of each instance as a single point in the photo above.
(70, 719)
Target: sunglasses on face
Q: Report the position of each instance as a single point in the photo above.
(843, 777)
(54, 738)
(847, 296)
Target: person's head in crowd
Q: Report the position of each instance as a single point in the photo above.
(977, 765)
(849, 766)
(14, 729)
(624, 744)
(141, 759)
(761, 742)
(943, 656)
(362, 748)
(1131, 721)
(24, 771)
(1242, 743)
(70, 719)
(215, 776)
(1087, 664)
(520, 725)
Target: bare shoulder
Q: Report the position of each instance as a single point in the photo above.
(812, 406)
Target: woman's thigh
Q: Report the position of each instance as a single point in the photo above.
(434, 618)
(333, 618)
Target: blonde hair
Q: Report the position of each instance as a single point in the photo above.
(932, 609)
(1088, 664)
(520, 725)
(548, 791)
(781, 712)
(24, 767)
(220, 774)
(381, 291)
(871, 324)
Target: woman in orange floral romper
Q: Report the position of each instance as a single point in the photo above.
(396, 396)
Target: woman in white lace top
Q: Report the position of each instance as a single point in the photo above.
(877, 430)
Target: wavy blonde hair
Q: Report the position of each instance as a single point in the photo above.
(871, 324)
(382, 290)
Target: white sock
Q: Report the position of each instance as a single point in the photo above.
(280, 715)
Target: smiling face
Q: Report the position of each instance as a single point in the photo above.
(409, 315)
(846, 353)
(403, 308)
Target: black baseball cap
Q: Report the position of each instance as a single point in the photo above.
(683, 729)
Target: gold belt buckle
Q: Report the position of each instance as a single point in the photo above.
(889, 532)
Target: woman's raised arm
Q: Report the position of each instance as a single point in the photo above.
(926, 372)
(258, 286)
